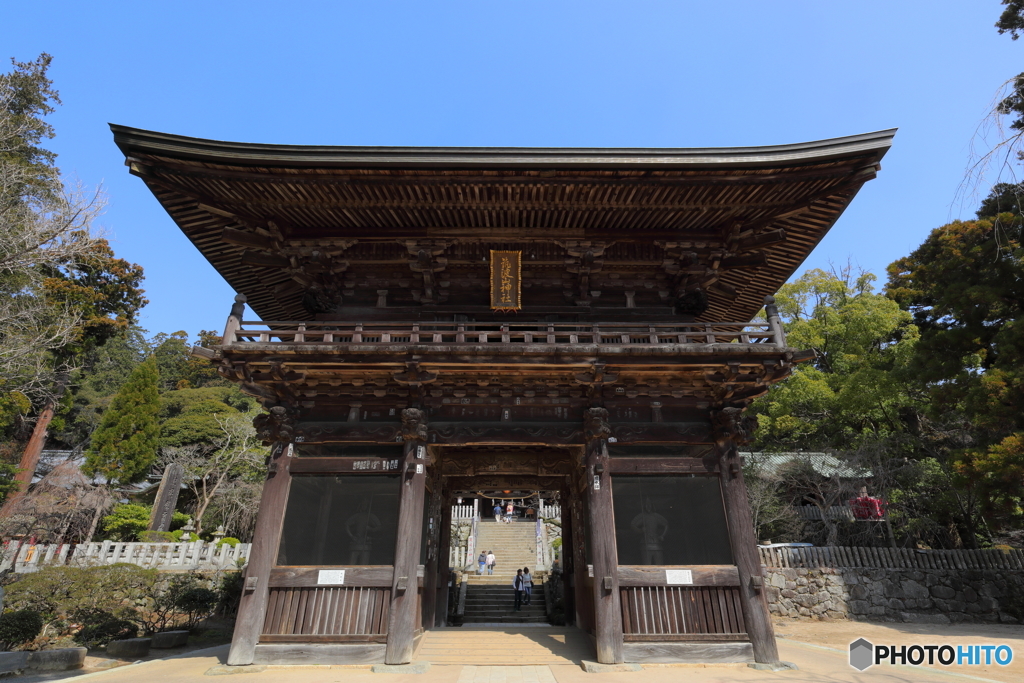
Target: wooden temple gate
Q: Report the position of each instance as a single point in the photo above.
(441, 320)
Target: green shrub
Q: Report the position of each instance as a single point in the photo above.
(228, 540)
(60, 594)
(19, 627)
(230, 594)
(156, 537)
(130, 522)
(185, 602)
(99, 628)
(126, 522)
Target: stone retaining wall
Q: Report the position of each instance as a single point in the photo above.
(936, 596)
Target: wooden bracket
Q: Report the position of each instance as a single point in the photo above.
(606, 583)
(403, 583)
(250, 583)
(757, 583)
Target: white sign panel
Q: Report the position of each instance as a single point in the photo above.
(678, 577)
(331, 577)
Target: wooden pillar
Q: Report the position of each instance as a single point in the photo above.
(607, 610)
(433, 562)
(404, 598)
(568, 565)
(443, 554)
(252, 607)
(730, 429)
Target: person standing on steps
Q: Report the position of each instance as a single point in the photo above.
(497, 512)
(491, 560)
(527, 585)
(509, 510)
(517, 584)
(481, 562)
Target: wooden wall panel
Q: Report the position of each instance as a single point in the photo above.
(340, 613)
(658, 611)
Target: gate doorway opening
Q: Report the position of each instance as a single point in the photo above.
(501, 537)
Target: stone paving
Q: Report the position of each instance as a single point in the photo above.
(818, 663)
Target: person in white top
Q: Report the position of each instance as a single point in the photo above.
(490, 562)
(527, 585)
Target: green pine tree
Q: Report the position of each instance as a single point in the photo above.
(124, 446)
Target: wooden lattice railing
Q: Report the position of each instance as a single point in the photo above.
(891, 558)
(604, 334)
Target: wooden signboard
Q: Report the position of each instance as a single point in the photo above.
(506, 280)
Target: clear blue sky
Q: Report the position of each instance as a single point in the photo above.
(517, 73)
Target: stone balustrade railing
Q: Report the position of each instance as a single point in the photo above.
(23, 557)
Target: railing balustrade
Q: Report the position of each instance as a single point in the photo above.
(890, 558)
(604, 334)
(23, 557)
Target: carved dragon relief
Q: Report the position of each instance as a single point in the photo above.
(362, 431)
(468, 432)
(466, 464)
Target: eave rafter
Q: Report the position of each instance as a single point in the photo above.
(279, 222)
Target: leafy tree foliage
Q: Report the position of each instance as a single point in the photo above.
(124, 447)
(178, 368)
(1012, 19)
(965, 288)
(193, 417)
(1004, 197)
(853, 390)
(62, 290)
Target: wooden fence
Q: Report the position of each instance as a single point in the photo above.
(891, 558)
(24, 557)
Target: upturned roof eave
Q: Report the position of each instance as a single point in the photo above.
(134, 141)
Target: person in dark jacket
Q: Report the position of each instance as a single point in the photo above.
(519, 586)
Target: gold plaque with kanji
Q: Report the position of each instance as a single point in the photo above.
(506, 280)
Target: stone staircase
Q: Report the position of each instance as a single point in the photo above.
(491, 598)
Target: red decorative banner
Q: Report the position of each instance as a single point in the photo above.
(506, 280)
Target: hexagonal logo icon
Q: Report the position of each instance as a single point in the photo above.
(862, 654)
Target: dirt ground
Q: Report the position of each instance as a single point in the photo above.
(839, 634)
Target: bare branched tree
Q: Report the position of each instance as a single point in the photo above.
(995, 147)
(45, 223)
(222, 467)
(771, 511)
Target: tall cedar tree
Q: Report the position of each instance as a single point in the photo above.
(965, 288)
(124, 447)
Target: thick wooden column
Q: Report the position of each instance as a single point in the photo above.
(252, 608)
(607, 610)
(433, 561)
(402, 622)
(729, 429)
(443, 553)
(568, 563)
